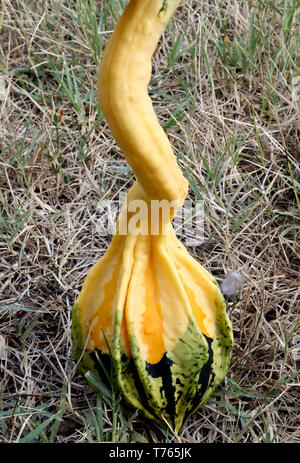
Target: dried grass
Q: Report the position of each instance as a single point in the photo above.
(238, 140)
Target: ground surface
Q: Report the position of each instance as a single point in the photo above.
(226, 88)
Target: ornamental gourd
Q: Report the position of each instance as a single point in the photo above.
(147, 302)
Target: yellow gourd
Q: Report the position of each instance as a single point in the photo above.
(147, 302)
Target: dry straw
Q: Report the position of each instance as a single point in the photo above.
(224, 86)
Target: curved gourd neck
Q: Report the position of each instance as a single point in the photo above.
(122, 89)
(168, 8)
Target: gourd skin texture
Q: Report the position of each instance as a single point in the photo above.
(147, 302)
